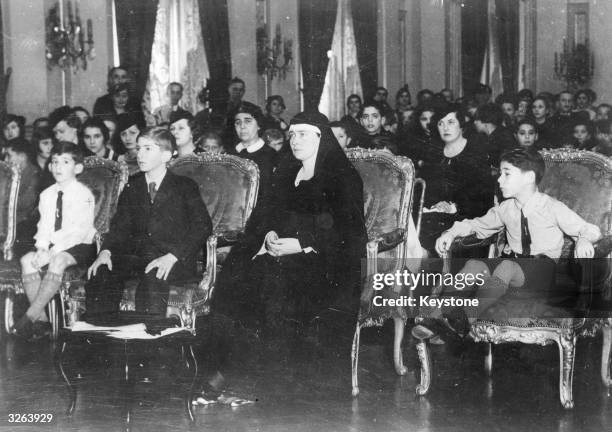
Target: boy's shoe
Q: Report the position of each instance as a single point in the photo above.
(24, 328)
(40, 329)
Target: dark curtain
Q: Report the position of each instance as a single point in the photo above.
(507, 12)
(316, 29)
(215, 32)
(4, 79)
(366, 39)
(474, 33)
(135, 31)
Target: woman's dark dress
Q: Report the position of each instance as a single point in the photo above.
(324, 213)
(464, 179)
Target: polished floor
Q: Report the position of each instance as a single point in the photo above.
(304, 384)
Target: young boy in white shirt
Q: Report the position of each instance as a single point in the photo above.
(534, 224)
(65, 236)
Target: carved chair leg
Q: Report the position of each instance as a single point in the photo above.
(426, 372)
(52, 310)
(355, 360)
(8, 312)
(398, 358)
(489, 359)
(605, 356)
(567, 350)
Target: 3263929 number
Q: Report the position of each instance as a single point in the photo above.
(14, 418)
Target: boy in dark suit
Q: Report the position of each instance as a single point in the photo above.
(160, 225)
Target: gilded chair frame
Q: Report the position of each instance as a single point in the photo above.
(404, 169)
(222, 233)
(7, 246)
(548, 333)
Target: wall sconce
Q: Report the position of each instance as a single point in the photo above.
(269, 60)
(66, 43)
(575, 65)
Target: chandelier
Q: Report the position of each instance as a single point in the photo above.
(575, 65)
(67, 45)
(276, 59)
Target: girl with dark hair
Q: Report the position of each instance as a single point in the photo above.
(275, 106)
(305, 251)
(13, 126)
(459, 184)
(129, 127)
(95, 137)
(541, 110)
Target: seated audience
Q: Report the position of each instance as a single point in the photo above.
(372, 120)
(488, 120)
(604, 137)
(417, 143)
(95, 136)
(584, 135)
(129, 126)
(508, 105)
(81, 113)
(526, 134)
(13, 127)
(65, 124)
(65, 237)
(182, 126)
(211, 142)
(540, 112)
(104, 104)
(247, 123)
(424, 96)
(160, 225)
(354, 104)
(451, 194)
(174, 93)
(40, 123)
(275, 139)
(19, 153)
(603, 112)
(275, 106)
(583, 102)
(306, 251)
(448, 95)
(342, 132)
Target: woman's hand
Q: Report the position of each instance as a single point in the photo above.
(284, 246)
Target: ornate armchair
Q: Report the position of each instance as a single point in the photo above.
(583, 181)
(228, 185)
(9, 269)
(388, 187)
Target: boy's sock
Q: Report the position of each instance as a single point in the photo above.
(31, 285)
(49, 286)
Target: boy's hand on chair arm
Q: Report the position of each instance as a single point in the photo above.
(104, 258)
(584, 248)
(164, 265)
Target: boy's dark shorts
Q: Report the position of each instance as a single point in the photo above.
(84, 254)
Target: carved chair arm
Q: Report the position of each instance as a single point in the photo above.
(471, 242)
(603, 247)
(382, 243)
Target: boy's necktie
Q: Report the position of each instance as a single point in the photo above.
(152, 191)
(525, 235)
(58, 211)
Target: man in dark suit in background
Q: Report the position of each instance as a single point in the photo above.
(160, 225)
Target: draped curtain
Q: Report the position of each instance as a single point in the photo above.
(508, 33)
(366, 37)
(316, 27)
(342, 78)
(473, 42)
(177, 55)
(492, 67)
(135, 21)
(214, 23)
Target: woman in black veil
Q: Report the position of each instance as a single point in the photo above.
(302, 251)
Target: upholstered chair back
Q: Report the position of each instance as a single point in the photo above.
(583, 181)
(387, 188)
(9, 186)
(228, 185)
(105, 179)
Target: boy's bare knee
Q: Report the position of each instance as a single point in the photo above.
(509, 271)
(59, 262)
(474, 267)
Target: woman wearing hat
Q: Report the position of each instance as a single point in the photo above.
(303, 251)
(129, 126)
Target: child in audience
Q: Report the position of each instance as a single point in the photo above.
(275, 139)
(42, 144)
(534, 223)
(604, 137)
(526, 133)
(603, 112)
(65, 124)
(65, 237)
(342, 133)
(212, 143)
(18, 153)
(95, 136)
(583, 134)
